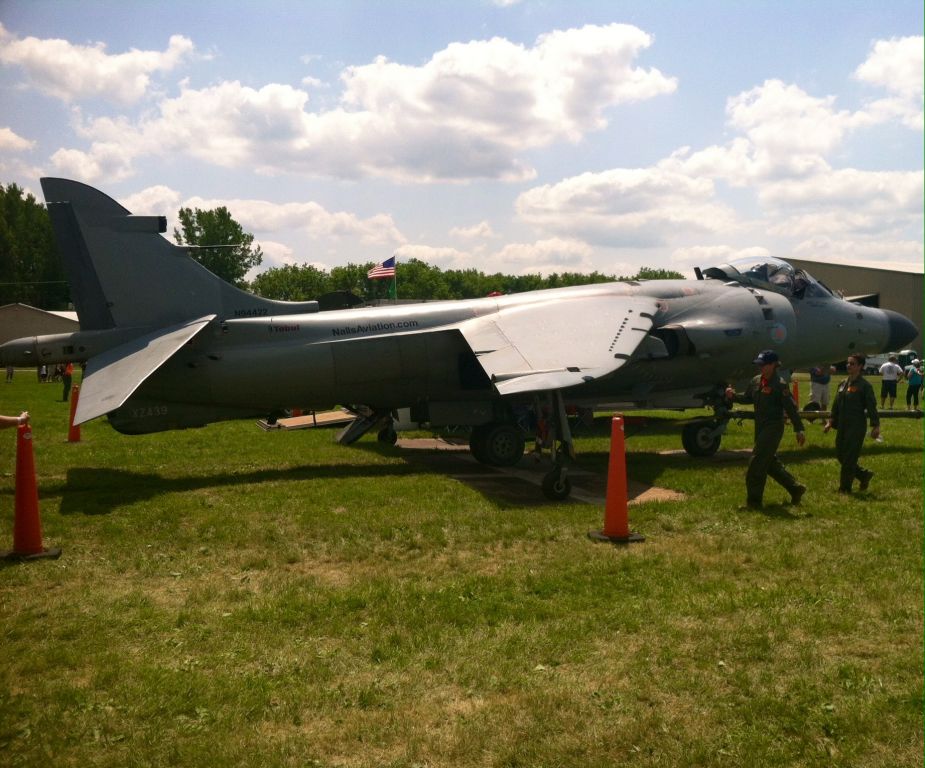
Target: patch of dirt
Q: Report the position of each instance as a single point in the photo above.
(520, 484)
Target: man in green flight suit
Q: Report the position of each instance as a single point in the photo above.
(770, 395)
(854, 402)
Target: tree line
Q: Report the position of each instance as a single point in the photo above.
(31, 271)
(421, 281)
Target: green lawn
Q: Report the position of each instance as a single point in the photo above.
(229, 597)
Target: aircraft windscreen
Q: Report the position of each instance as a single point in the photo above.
(770, 274)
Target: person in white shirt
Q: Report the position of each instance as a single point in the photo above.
(891, 373)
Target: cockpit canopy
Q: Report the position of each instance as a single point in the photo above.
(768, 274)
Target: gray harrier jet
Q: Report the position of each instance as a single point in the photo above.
(169, 345)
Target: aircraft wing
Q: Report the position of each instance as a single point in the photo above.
(112, 377)
(535, 347)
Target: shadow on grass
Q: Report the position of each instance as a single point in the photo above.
(495, 484)
(647, 467)
(785, 512)
(100, 491)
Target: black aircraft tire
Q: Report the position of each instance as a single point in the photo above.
(554, 488)
(697, 441)
(502, 445)
(387, 435)
(477, 444)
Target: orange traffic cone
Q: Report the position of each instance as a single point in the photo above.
(73, 431)
(27, 526)
(616, 516)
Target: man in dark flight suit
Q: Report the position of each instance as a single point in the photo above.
(854, 403)
(770, 395)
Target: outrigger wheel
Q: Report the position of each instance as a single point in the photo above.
(387, 435)
(556, 485)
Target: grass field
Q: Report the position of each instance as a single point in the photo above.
(229, 597)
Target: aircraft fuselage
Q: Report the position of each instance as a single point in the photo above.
(704, 335)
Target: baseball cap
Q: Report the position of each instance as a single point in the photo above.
(765, 357)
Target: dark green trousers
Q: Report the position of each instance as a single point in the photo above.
(848, 444)
(764, 463)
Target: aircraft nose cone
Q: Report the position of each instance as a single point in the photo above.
(902, 331)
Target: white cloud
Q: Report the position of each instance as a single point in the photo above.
(10, 141)
(509, 95)
(785, 133)
(14, 168)
(262, 217)
(545, 256)
(627, 206)
(779, 118)
(158, 200)
(904, 254)
(897, 65)
(111, 161)
(316, 221)
(274, 255)
(467, 113)
(480, 231)
(153, 201)
(71, 72)
(542, 256)
(113, 149)
(780, 159)
(847, 204)
(873, 193)
(445, 258)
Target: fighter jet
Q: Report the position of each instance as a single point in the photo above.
(168, 345)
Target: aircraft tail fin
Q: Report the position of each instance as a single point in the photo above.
(86, 291)
(123, 273)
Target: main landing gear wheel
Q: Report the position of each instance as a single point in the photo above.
(498, 445)
(700, 438)
(556, 485)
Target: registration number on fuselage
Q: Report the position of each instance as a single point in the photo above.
(147, 411)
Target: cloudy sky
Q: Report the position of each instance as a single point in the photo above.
(515, 136)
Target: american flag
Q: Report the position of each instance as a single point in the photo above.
(382, 270)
